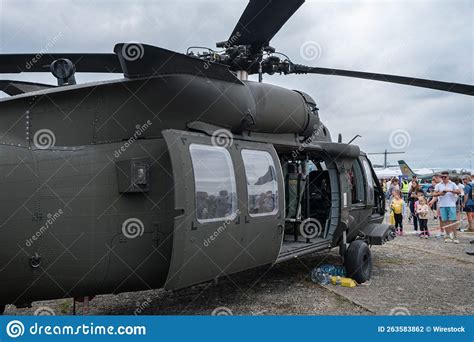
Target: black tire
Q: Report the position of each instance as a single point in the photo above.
(2, 309)
(358, 261)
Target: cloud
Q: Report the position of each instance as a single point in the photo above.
(427, 39)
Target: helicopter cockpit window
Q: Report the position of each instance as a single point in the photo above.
(216, 196)
(261, 182)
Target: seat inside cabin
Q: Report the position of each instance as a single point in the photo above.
(307, 201)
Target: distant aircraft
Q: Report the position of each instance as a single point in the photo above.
(408, 172)
(387, 173)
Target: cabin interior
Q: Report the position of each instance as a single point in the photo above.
(308, 201)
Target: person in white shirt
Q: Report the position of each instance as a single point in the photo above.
(447, 193)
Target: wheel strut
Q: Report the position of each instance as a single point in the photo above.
(343, 245)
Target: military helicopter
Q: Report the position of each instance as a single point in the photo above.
(178, 173)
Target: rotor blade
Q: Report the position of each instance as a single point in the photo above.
(84, 62)
(12, 87)
(261, 20)
(464, 89)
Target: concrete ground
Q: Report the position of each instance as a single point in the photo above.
(410, 276)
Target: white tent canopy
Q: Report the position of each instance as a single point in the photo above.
(387, 173)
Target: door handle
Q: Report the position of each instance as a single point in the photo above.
(280, 228)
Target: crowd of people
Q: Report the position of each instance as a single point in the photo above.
(448, 200)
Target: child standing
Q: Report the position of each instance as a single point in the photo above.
(422, 209)
(398, 207)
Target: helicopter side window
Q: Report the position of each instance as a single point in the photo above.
(370, 181)
(357, 183)
(262, 183)
(216, 196)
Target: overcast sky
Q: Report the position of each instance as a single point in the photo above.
(426, 39)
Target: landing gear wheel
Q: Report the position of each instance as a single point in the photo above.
(358, 261)
(2, 309)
